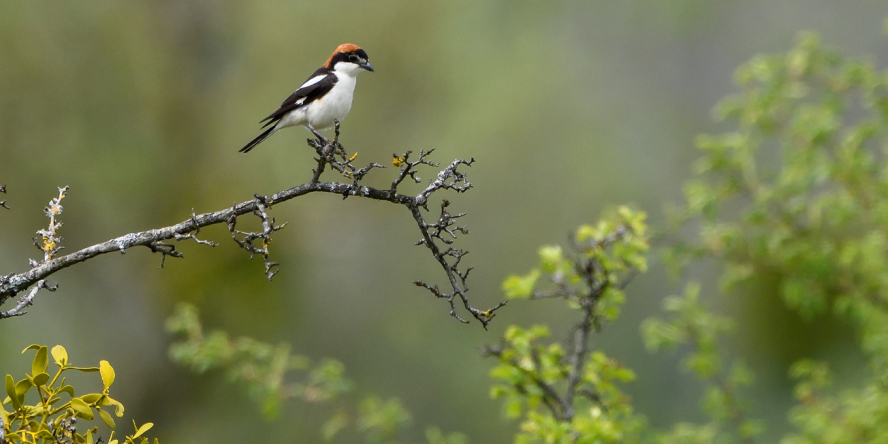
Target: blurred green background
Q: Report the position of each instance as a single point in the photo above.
(568, 107)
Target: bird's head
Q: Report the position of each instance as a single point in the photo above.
(349, 59)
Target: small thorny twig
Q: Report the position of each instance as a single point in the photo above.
(26, 300)
(193, 235)
(3, 204)
(435, 235)
(166, 249)
(268, 227)
(409, 168)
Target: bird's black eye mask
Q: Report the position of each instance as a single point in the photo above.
(358, 57)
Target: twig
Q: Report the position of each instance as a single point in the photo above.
(268, 227)
(551, 398)
(25, 301)
(49, 242)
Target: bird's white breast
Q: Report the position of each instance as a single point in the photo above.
(334, 105)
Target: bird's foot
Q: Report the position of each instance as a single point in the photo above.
(320, 137)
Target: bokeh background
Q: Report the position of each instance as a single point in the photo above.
(568, 106)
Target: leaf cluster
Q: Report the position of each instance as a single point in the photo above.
(530, 374)
(45, 409)
(601, 260)
(568, 392)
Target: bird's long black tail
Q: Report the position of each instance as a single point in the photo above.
(257, 140)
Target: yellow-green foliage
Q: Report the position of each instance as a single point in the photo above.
(272, 374)
(797, 192)
(262, 367)
(42, 408)
(558, 398)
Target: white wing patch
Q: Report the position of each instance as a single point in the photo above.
(313, 81)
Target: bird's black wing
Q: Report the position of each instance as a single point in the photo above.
(320, 83)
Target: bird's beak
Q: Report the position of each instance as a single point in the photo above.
(367, 66)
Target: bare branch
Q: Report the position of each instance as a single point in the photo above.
(193, 235)
(449, 179)
(409, 168)
(164, 249)
(330, 152)
(430, 232)
(268, 227)
(26, 300)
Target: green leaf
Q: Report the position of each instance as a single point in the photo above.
(85, 369)
(67, 389)
(41, 379)
(586, 232)
(521, 286)
(91, 398)
(118, 407)
(31, 347)
(334, 425)
(83, 410)
(22, 387)
(145, 427)
(550, 258)
(751, 428)
(10, 390)
(40, 363)
(435, 436)
(513, 408)
(107, 418)
(60, 355)
(107, 373)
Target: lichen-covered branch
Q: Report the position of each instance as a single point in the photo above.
(330, 152)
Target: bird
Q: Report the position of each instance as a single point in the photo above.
(323, 99)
